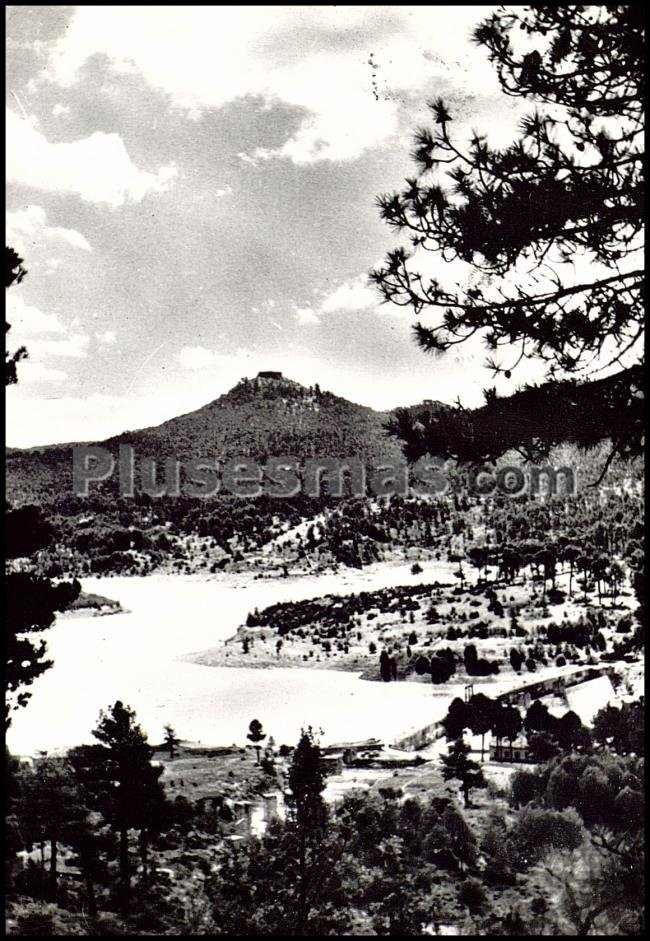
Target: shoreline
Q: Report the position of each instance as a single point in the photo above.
(144, 656)
(220, 657)
(89, 603)
(168, 628)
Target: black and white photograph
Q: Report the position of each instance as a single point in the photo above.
(325, 596)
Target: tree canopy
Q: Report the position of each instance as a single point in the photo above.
(14, 274)
(122, 784)
(550, 228)
(31, 601)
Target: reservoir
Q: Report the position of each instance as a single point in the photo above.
(137, 656)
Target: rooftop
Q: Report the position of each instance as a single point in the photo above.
(586, 699)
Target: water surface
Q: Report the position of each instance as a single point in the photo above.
(136, 656)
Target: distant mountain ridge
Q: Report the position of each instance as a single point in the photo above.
(258, 418)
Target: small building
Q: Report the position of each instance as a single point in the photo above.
(367, 747)
(332, 763)
(269, 374)
(270, 805)
(518, 751)
(211, 801)
(67, 863)
(243, 808)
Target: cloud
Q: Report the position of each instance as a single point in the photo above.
(108, 337)
(347, 70)
(60, 109)
(27, 320)
(35, 417)
(196, 357)
(227, 368)
(45, 336)
(224, 370)
(351, 295)
(31, 372)
(74, 346)
(246, 158)
(230, 366)
(306, 315)
(332, 131)
(96, 168)
(355, 294)
(29, 225)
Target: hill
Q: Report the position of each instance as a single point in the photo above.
(258, 418)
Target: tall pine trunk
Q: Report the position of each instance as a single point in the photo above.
(144, 854)
(53, 867)
(91, 900)
(302, 899)
(125, 881)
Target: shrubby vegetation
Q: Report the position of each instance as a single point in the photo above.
(551, 859)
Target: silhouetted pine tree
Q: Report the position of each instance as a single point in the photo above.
(569, 186)
(123, 785)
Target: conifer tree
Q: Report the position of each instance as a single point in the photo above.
(123, 784)
(309, 813)
(14, 274)
(31, 601)
(256, 735)
(50, 805)
(458, 766)
(171, 741)
(550, 231)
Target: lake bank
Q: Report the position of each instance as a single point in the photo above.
(138, 655)
(89, 602)
(344, 630)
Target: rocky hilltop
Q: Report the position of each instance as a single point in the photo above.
(265, 416)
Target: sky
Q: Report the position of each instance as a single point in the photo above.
(193, 190)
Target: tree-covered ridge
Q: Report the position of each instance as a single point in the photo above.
(329, 610)
(256, 419)
(570, 566)
(104, 533)
(262, 419)
(532, 421)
